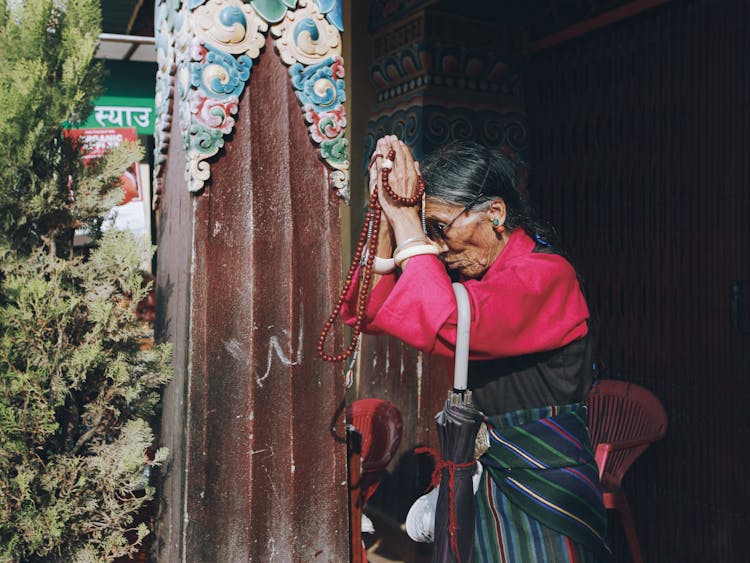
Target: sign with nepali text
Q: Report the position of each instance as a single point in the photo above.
(133, 212)
(123, 116)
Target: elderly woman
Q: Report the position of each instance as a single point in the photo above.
(539, 498)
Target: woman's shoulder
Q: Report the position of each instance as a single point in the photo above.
(543, 264)
(525, 252)
(534, 269)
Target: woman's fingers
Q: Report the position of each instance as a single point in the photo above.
(382, 146)
(404, 174)
(404, 153)
(397, 177)
(402, 178)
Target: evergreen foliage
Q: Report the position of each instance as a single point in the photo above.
(79, 374)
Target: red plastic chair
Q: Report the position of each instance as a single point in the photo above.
(624, 419)
(379, 425)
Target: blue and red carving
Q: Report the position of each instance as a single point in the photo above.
(213, 113)
(320, 91)
(419, 65)
(317, 85)
(220, 74)
(214, 43)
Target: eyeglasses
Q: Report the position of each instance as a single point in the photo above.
(436, 231)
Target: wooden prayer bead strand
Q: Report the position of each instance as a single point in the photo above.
(371, 226)
(410, 201)
(372, 217)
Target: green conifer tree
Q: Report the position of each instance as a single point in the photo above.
(79, 379)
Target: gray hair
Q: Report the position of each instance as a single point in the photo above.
(463, 172)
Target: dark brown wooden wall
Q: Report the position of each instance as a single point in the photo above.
(641, 136)
(247, 272)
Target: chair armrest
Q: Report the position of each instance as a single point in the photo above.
(635, 442)
(605, 448)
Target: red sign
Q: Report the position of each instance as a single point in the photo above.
(95, 142)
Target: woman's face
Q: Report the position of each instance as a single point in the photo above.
(470, 243)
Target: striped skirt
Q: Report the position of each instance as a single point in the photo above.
(539, 498)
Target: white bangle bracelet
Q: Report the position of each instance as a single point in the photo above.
(379, 265)
(383, 265)
(416, 250)
(408, 242)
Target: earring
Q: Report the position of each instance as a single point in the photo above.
(495, 223)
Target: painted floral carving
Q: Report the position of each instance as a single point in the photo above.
(311, 45)
(306, 36)
(213, 44)
(215, 114)
(325, 125)
(320, 91)
(219, 74)
(334, 150)
(317, 85)
(232, 26)
(333, 11)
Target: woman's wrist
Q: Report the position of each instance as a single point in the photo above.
(385, 240)
(408, 230)
(409, 242)
(383, 262)
(405, 222)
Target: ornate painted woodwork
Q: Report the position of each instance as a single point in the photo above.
(422, 65)
(210, 46)
(424, 127)
(164, 24)
(441, 77)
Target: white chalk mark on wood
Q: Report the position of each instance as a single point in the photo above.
(292, 358)
(236, 350)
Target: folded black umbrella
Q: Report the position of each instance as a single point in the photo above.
(457, 427)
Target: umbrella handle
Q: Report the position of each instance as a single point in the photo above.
(461, 365)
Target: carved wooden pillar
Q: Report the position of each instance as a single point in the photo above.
(249, 262)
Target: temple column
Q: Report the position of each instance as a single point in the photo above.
(251, 170)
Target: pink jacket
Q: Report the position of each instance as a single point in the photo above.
(526, 302)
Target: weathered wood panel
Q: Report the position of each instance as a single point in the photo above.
(265, 479)
(640, 158)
